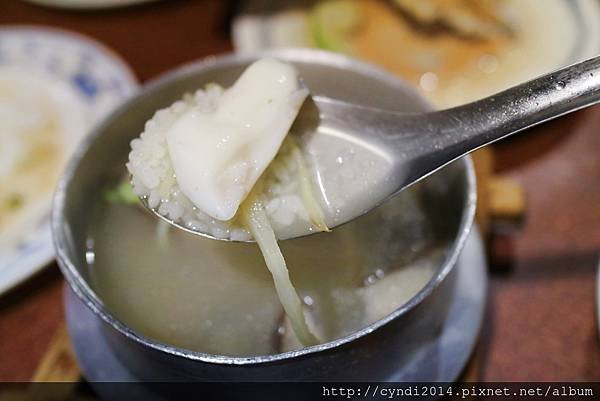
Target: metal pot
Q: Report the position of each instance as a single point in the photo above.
(372, 353)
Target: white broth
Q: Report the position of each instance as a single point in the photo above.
(219, 298)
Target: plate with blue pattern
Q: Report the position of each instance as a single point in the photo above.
(55, 86)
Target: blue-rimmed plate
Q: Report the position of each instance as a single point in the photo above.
(73, 82)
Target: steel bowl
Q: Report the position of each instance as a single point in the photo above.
(371, 353)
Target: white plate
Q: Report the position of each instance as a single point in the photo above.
(87, 4)
(98, 79)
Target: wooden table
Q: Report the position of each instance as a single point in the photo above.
(541, 315)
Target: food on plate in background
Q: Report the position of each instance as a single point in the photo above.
(453, 54)
(480, 19)
(38, 120)
(453, 51)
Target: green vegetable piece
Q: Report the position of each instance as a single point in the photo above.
(123, 194)
(332, 22)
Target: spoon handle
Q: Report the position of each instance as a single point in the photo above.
(455, 132)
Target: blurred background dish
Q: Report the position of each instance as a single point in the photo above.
(54, 85)
(87, 4)
(453, 51)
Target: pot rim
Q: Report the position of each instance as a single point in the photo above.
(79, 285)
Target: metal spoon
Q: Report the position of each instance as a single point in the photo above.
(417, 145)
